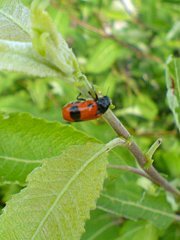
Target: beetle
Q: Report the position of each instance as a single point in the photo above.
(83, 110)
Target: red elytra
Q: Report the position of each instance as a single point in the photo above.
(86, 109)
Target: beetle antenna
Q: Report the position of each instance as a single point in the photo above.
(93, 93)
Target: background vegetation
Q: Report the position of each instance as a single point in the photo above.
(129, 52)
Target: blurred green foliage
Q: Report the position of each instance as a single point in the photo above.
(123, 51)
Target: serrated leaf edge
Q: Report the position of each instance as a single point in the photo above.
(75, 176)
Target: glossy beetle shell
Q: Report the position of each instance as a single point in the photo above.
(85, 110)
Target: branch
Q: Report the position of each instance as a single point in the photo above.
(116, 124)
(136, 151)
(130, 169)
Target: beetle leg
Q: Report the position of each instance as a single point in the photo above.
(80, 99)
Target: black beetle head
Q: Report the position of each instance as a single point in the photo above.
(103, 104)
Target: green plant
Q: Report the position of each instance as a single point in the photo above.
(61, 169)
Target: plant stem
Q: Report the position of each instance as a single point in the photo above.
(113, 120)
(153, 148)
(114, 143)
(130, 169)
(136, 151)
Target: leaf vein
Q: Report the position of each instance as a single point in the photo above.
(15, 22)
(72, 179)
(140, 206)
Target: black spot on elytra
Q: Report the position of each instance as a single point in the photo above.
(75, 113)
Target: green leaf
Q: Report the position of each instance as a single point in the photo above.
(174, 32)
(53, 57)
(146, 106)
(138, 230)
(141, 106)
(49, 43)
(62, 21)
(172, 233)
(173, 87)
(58, 197)
(15, 21)
(7, 190)
(174, 165)
(19, 102)
(103, 56)
(38, 90)
(101, 226)
(10, 80)
(20, 57)
(168, 157)
(26, 141)
(125, 198)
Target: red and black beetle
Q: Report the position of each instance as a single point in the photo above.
(83, 110)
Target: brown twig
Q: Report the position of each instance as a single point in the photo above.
(130, 169)
(89, 27)
(118, 126)
(136, 151)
